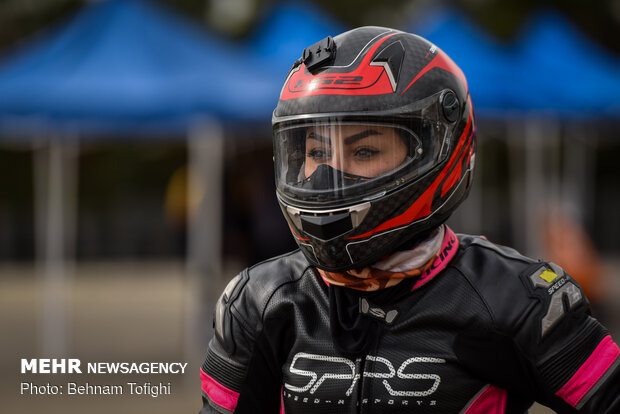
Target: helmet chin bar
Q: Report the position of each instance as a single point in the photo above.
(339, 253)
(327, 224)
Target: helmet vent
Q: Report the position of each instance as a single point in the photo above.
(450, 104)
(327, 226)
(391, 58)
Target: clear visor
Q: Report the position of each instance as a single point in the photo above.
(336, 160)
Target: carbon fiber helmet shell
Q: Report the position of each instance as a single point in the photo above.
(383, 76)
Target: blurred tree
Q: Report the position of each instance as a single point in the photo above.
(600, 19)
(21, 18)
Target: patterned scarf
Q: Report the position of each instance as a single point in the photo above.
(391, 270)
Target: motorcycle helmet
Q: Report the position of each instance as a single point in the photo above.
(374, 141)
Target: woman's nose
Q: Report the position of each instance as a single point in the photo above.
(337, 160)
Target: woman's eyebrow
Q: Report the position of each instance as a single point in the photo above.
(319, 137)
(348, 140)
(353, 138)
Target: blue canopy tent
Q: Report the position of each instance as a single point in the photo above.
(123, 65)
(133, 67)
(551, 74)
(563, 79)
(484, 60)
(572, 76)
(551, 67)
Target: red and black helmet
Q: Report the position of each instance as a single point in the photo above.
(374, 141)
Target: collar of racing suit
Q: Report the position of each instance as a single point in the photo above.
(354, 329)
(393, 269)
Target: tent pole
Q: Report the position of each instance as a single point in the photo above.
(534, 194)
(55, 176)
(515, 143)
(204, 232)
(542, 182)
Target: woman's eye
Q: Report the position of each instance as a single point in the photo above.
(365, 152)
(317, 154)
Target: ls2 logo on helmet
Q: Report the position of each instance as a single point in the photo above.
(313, 371)
(319, 82)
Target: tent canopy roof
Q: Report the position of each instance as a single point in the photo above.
(127, 64)
(551, 68)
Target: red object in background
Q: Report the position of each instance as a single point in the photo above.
(567, 244)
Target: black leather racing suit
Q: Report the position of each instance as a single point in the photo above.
(492, 332)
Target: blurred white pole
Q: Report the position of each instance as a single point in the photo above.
(515, 143)
(55, 176)
(525, 138)
(204, 232)
(534, 195)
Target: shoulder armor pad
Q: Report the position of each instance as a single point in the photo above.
(557, 292)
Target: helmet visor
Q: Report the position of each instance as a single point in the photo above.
(339, 160)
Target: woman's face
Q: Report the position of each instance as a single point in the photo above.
(362, 150)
